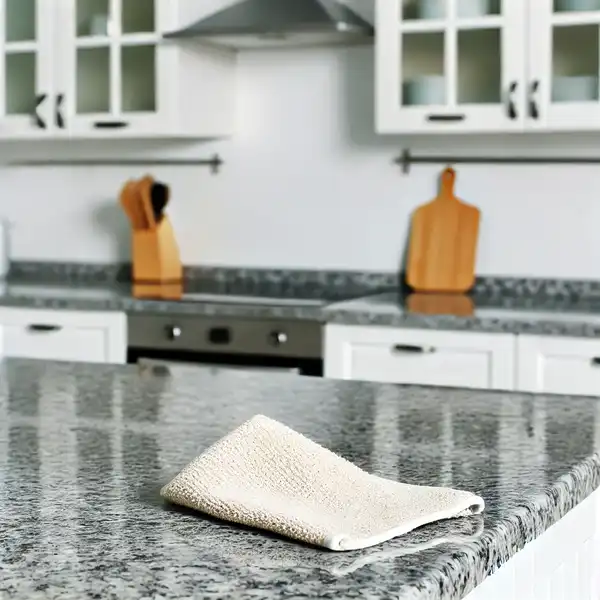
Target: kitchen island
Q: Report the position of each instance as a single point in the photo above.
(84, 450)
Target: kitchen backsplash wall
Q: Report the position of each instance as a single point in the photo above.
(307, 184)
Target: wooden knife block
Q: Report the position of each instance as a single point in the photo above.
(156, 255)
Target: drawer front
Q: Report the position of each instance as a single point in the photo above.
(552, 365)
(420, 357)
(420, 365)
(55, 343)
(570, 375)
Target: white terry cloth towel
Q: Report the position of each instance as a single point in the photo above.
(265, 475)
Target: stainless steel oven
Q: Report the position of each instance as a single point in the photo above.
(242, 343)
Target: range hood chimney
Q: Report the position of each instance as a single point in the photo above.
(264, 23)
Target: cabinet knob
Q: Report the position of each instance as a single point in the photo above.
(174, 332)
(278, 338)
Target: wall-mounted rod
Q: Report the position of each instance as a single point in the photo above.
(406, 159)
(214, 163)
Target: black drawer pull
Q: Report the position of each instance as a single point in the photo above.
(445, 118)
(43, 328)
(408, 349)
(111, 124)
(596, 361)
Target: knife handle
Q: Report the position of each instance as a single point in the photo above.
(145, 189)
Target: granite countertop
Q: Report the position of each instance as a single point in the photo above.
(121, 297)
(503, 314)
(506, 312)
(84, 450)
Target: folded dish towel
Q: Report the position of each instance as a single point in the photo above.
(265, 475)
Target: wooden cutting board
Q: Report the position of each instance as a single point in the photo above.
(443, 242)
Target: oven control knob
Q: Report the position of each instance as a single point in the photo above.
(173, 332)
(278, 338)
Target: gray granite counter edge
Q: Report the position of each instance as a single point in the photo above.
(133, 305)
(556, 327)
(323, 315)
(456, 576)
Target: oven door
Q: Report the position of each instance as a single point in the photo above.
(259, 364)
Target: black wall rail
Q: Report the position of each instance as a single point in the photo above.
(214, 163)
(406, 160)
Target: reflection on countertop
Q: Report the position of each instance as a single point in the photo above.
(84, 450)
(539, 315)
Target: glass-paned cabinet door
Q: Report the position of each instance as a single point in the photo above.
(113, 79)
(564, 73)
(450, 65)
(25, 68)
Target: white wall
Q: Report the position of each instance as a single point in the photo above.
(307, 184)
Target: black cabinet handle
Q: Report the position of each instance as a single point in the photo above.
(60, 121)
(511, 109)
(445, 118)
(409, 349)
(111, 124)
(39, 99)
(596, 361)
(534, 111)
(43, 328)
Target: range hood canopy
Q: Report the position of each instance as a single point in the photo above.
(259, 23)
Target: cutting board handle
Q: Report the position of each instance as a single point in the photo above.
(447, 179)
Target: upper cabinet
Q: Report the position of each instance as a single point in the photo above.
(450, 65)
(97, 68)
(25, 66)
(564, 64)
(487, 65)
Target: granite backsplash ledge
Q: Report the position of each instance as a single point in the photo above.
(354, 282)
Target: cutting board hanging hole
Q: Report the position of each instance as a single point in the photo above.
(447, 179)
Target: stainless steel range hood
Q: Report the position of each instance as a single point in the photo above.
(264, 23)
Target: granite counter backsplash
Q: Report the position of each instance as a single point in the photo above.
(85, 449)
(499, 304)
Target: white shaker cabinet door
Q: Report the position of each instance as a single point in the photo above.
(450, 66)
(84, 336)
(558, 365)
(26, 68)
(420, 356)
(564, 65)
(120, 78)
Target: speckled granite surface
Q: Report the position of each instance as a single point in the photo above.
(507, 314)
(540, 316)
(84, 450)
(357, 282)
(567, 308)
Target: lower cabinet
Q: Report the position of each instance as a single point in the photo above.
(558, 365)
(528, 363)
(420, 356)
(84, 336)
